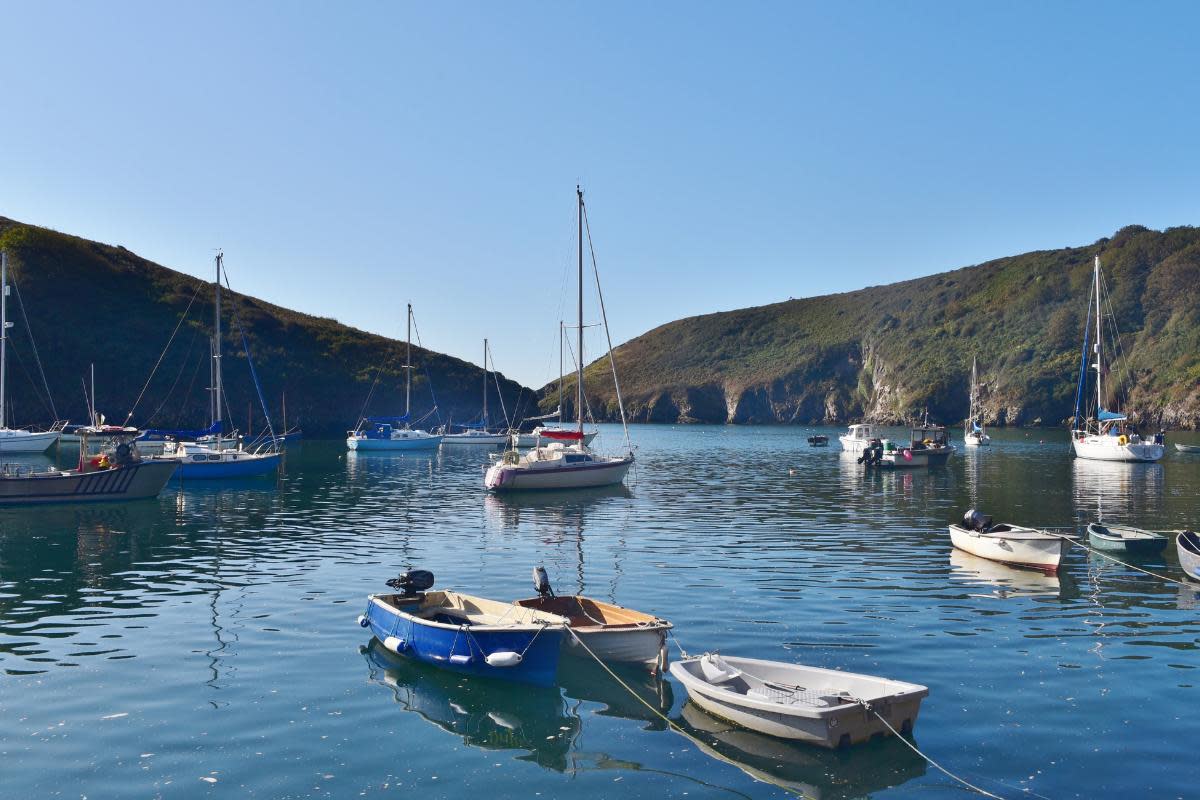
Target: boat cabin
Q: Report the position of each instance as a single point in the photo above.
(862, 432)
(929, 437)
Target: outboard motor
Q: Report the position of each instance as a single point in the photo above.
(976, 521)
(413, 582)
(541, 582)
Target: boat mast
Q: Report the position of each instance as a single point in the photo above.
(485, 377)
(1099, 391)
(579, 365)
(4, 326)
(218, 390)
(973, 396)
(408, 364)
(92, 402)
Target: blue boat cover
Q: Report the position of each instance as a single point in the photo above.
(1109, 416)
(217, 427)
(388, 420)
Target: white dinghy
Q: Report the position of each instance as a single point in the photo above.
(1009, 544)
(824, 707)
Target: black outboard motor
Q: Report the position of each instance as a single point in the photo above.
(976, 521)
(413, 582)
(541, 582)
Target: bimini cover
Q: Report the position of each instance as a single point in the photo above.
(1110, 416)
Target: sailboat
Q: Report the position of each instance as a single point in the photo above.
(394, 433)
(477, 432)
(215, 455)
(974, 434)
(1108, 436)
(533, 435)
(14, 440)
(566, 462)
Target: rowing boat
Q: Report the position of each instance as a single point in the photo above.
(1133, 541)
(1187, 547)
(1009, 544)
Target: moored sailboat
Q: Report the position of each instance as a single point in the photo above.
(566, 463)
(974, 435)
(477, 432)
(14, 440)
(1107, 436)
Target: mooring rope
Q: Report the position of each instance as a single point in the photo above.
(1074, 541)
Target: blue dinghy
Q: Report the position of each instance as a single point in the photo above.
(466, 634)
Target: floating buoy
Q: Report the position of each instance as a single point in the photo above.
(363, 622)
(503, 658)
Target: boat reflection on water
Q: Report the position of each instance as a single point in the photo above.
(567, 506)
(1111, 487)
(485, 714)
(584, 679)
(1010, 581)
(810, 772)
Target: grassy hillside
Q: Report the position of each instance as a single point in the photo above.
(94, 303)
(886, 353)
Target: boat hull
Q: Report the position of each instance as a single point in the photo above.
(414, 443)
(229, 465)
(1109, 448)
(1187, 547)
(138, 481)
(831, 727)
(643, 646)
(508, 478)
(452, 648)
(916, 458)
(16, 441)
(1044, 552)
(491, 439)
(1137, 542)
(977, 440)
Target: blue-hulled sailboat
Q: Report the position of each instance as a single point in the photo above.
(218, 453)
(470, 635)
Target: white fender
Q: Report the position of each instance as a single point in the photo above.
(503, 658)
(394, 644)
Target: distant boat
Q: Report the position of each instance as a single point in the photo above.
(476, 432)
(567, 462)
(394, 433)
(218, 456)
(818, 441)
(1133, 541)
(1187, 448)
(612, 633)
(118, 474)
(538, 434)
(1107, 436)
(974, 435)
(1187, 547)
(858, 437)
(1009, 544)
(14, 440)
(819, 706)
(929, 446)
(461, 633)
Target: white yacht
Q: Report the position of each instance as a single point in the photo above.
(15, 440)
(973, 433)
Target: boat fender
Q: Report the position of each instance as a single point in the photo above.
(395, 644)
(1122, 440)
(503, 658)
(907, 454)
(363, 622)
(461, 659)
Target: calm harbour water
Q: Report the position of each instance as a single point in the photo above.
(204, 644)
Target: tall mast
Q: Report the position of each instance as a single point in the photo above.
(973, 379)
(579, 365)
(4, 326)
(561, 333)
(95, 421)
(218, 390)
(1099, 391)
(485, 377)
(408, 364)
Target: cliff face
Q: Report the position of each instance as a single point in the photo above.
(887, 353)
(90, 303)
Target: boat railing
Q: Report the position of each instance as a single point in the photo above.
(26, 470)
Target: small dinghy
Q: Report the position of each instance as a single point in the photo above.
(818, 441)
(824, 707)
(1187, 448)
(1187, 546)
(611, 632)
(1009, 544)
(1133, 541)
(465, 634)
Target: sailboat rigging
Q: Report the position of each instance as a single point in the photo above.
(974, 435)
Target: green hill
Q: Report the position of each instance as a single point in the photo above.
(95, 303)
(885, 353)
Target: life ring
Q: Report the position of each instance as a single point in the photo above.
(1122, 440)
(907, 454)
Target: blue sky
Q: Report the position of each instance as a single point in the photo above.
(352, 157)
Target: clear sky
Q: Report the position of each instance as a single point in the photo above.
(351, 157)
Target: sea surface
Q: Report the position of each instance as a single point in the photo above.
(204, 644)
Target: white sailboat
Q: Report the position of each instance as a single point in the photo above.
(477, 433)
(14, 440)
(1107, 436)
(546, 432)
(566, 463)
(394, 433)
(974, 435)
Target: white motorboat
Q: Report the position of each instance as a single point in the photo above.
(1106, 436)
(858, 437)
(973, 433)
(611, 632)
(394, 433)
(824, 707)
(558, 465)
(1009, 544)
(15, 440)
(476, 433)
(118, 474)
